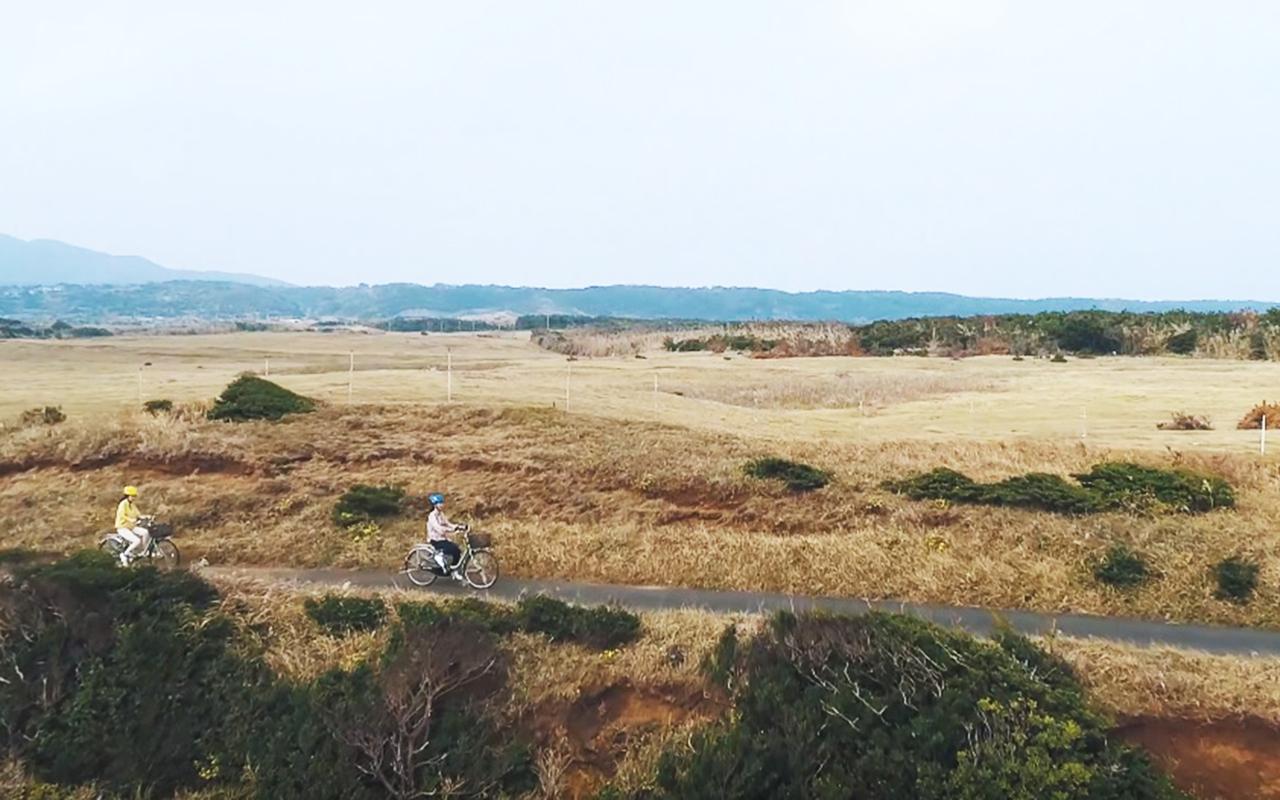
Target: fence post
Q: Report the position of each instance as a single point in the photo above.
(351, 376)
(568, 372)
(266, 367)
(1084, 422)
(139, 383)
(449, 379)
(1262, 438)
(655, 392)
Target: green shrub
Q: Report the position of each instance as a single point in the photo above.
(1039, 490)
(1122, 485)
(1237, 579)
(495, 618)
(797, 477)
(338, 615)
(48, 415)
(597, 627)
(1122, 568)
(1109, 486)
(1059, 358)
(250, 397)
(157, 407)
(721, 664)
(891, 706)
(1183, 343)
(363, 503)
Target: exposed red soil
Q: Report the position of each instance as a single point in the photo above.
(1227, 760)
(599, 726)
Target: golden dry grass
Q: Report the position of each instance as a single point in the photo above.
(587, 498)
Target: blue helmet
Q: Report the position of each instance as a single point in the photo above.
(435, 498)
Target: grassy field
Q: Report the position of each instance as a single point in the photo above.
(1103, 402)
(643, 487)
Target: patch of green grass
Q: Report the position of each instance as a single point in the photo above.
(1237, 579)
(798, 477)
(338, 616)
(1122, 568)
(1132, 486)
(250, 397)
(498, 619)
(597, 627)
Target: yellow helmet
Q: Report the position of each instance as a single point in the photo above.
(131, 491)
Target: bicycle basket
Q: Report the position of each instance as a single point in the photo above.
(161, 530)
(479, 540)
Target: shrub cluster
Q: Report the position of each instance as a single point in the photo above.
(1237, 579)
(338, 615)
(1253, 420)
(885, 706)
(135, 681)
(1106, 487)
(720, 342)
(363, 503)
(596, 627)
(798, 477)
(1182, 421)
(48, 415)
(1122, 568)
(250, 397)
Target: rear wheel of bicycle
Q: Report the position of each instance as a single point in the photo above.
(482, 569)
(166, 555)
(111, 547)
(418, 567)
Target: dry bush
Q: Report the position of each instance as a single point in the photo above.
(1182, 421)
(1253, 420)
(1130, 681)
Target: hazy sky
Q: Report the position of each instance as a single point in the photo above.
(1000, 148)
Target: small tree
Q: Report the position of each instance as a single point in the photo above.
(392, 733)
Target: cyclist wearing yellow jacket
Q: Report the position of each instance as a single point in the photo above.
(127, 515)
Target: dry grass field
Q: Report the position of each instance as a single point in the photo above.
(635, 487)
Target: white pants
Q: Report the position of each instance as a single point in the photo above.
(138, 539)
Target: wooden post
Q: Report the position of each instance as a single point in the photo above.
(449, 379)
(351, 376)
(655, 392)
(1084, 422)
(1262, 438)
(139, 384)
(568, 372)
(266, 367)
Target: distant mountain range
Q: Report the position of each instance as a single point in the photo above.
(225, 300)
(48, 262)
(47, 280)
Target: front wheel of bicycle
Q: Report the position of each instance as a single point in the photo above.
(166, 555)
(418, 567)
(482, 569)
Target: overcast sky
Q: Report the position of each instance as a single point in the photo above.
(1016, 149)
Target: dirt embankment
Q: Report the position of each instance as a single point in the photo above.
(1226, 760)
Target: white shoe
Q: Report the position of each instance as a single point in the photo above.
(124, 559)
(457, 576)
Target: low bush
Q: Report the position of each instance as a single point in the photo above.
(1120, 485)
(597, 627)
(798, 477)
(1182, 421)
(495, 618)
(891, 706)
(157, 407)
(1237, 579)
(48, 415)
(363, 503)
(338, 615)
(1122, 568)
(1183, 343)
(1058, 358)
(1253, 420)
(250, 397)
(1109, 486)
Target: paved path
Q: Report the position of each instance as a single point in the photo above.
(981, 621)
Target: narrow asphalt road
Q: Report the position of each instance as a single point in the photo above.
(980, 621)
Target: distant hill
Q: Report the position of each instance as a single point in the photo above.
(226, 300)
(48, 262)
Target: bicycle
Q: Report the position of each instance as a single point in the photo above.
(478, 565)
(161, 549)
